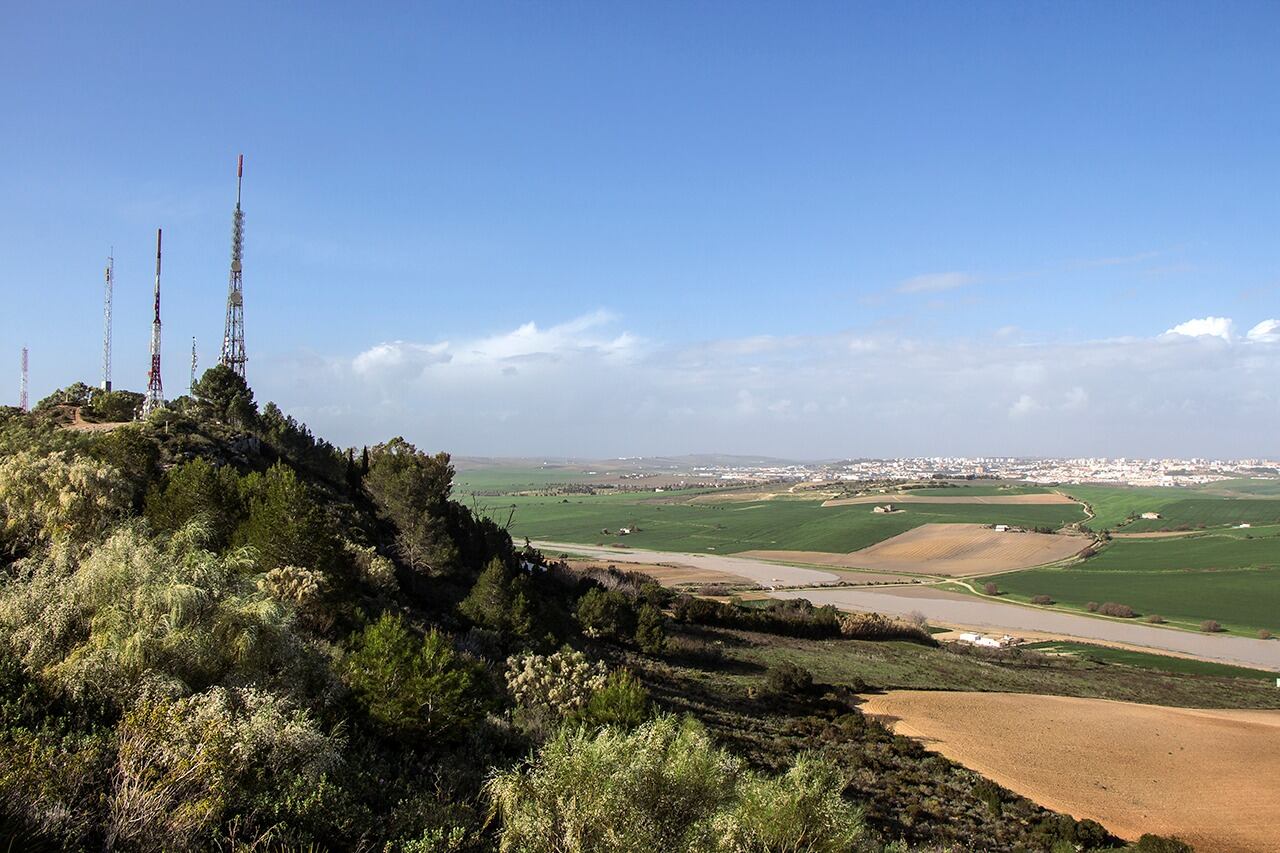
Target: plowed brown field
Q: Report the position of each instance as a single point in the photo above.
(1208, 777)
(946, 549)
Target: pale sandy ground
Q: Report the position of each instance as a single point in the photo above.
(1046, 498)
(954, 608)
(667, 574)
(1209, 777)
(755, 570)
(947, 549)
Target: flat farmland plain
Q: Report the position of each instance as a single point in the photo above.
(676, 523)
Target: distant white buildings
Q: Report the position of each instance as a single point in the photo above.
(1002, 642)
(1151, 516)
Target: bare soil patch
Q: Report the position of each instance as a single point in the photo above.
(908, 498)
(667, 574)
(953, 550)
(1206, 776)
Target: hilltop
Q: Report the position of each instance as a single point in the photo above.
(220, 631)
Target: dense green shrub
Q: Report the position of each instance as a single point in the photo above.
(134, 617)
(411, 491)
(500, 600)
(59, 498)
(651, 633)
(1149, 843)
(413, 687)
(665, 786)
(795, 617)
(194, 490)
(606, 614)
(786, 679)
(621, 701)
(183, 765)
(285, 524)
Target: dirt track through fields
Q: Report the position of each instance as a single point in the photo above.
(947, 549)
(1207, 776)
(950, 608)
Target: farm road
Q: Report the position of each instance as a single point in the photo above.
(951, 608)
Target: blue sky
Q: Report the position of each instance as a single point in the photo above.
(797, 229)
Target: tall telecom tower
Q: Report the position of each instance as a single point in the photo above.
(233, 332)
(193, 366)
(155, 388)
(106, 323)
(22, 387)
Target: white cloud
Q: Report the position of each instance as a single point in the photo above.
(584, 387)
(936, 282)
(1266, 331)
(1023, 406)
(1077, 398)
(1205, 327)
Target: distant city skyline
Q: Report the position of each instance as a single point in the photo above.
(833, 231)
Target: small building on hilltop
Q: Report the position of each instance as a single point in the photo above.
(1150, 516)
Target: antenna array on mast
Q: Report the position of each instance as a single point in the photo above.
(193, 366)
(233, 354)
(155, 388)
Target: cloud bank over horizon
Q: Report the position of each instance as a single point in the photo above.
(587, 387)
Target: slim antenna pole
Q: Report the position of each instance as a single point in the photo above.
(22, 387)
(106, 322)
(193, 366)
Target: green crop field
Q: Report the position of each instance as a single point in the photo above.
(1189, 508)
(1145, 660)
(1224, 576)
(1113, 504)
(668, 522)
(1209, 512)
(1233, 549)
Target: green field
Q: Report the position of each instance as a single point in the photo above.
(1189, 508)
(671, 523)
(1224, 576)
(1233, 549)
(1194, 513)
(1145, 660)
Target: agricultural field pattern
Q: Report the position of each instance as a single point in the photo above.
(1210, 554)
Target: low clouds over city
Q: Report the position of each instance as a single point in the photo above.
(592, 385)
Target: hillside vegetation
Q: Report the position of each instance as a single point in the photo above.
(220, 632)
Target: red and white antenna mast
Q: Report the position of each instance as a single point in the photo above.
(22, 387)
(233, 355)
(155, 388)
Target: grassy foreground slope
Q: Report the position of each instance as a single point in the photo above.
(671, 523)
